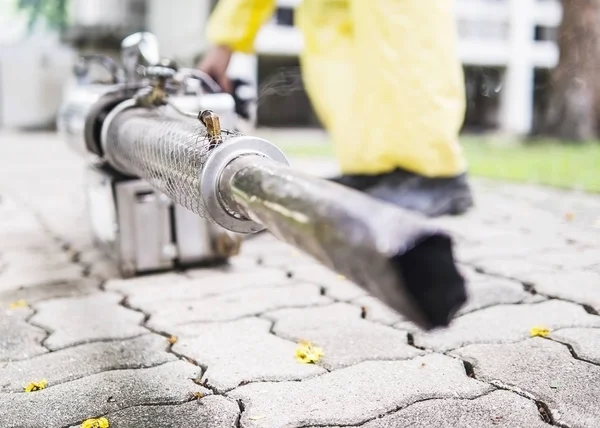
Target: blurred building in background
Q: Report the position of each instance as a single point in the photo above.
(507, 48)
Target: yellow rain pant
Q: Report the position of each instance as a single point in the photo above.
(383, 76)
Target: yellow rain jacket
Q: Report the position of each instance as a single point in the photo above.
(383, 76)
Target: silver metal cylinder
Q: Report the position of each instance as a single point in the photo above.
(395, 255)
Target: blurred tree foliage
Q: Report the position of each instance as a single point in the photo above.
(54, 12)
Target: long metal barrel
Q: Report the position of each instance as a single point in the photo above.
(245, 184)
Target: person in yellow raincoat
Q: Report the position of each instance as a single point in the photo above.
(385, 79)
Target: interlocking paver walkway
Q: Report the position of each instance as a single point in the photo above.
(216, 347)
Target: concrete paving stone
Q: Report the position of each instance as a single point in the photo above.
(545, 370)
(99, 394)
(468, 272)
(27, 225)
(41, 292)
(485, 291)
(575, 285)
(85, 360)
(77, 320)
(567, 258)
(503, 324)
(217, 412)
(18, 338)
(235, 305)
(524, 213)
(98, 264)
(498, 409)
(355, 394)
(345, 337)
(104, 270)
(18, 238)
(144, 284)
(212, 411)
(377, 311)
(584, 341)
(275, 253)
(90, 255)
(153, 297)
(235, 266)
(34, 245)
(35, 259)
(16, 214)
(471, 232)
(584, 207)
(8, 204)
(21, 278)
(510, 267)
(452, 223)
(585, 237)
(510, 246)
(10, 242)
(238, 264)
(338, 287)
(241, 351)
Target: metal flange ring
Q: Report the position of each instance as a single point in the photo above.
(210, 177)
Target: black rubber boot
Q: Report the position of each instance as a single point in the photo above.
(357, 182)
(432, 197)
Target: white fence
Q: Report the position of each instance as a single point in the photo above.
(493, 33)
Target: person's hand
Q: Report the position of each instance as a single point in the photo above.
(215, 64)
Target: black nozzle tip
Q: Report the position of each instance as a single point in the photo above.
(433, 280)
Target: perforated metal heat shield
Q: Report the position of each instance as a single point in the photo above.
(167, 150)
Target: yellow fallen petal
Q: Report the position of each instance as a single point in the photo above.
(18, 304)
(198, 395)
(172, 339)
(256, 418)
(306, 353)
(569, 216)
(96, 423)
(539, 331)
(36, 386)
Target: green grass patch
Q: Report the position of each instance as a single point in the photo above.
(574, 166)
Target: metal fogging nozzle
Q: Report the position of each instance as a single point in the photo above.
(245, 184)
